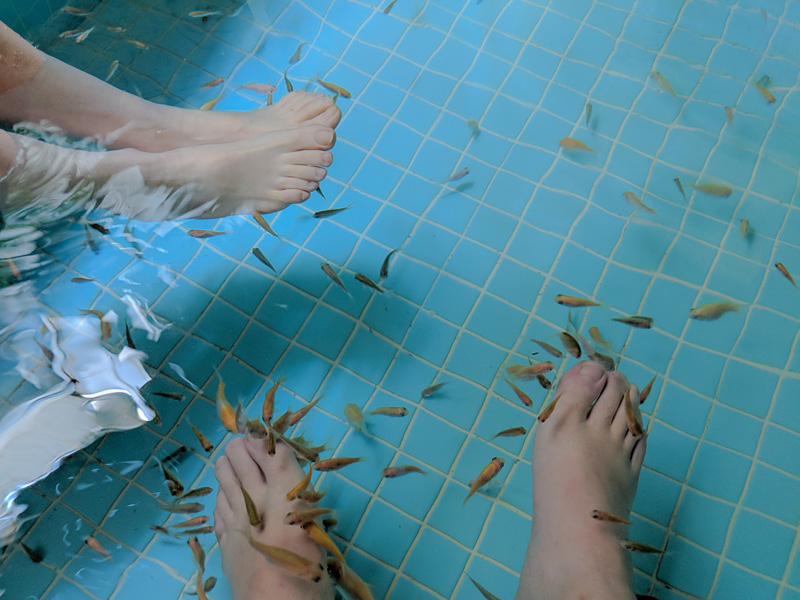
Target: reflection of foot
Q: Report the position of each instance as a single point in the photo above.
(251, 576)
(180, 128)
(584, 459)
(260, 174)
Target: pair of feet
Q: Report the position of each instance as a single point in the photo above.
(225, 162)
(584, 458)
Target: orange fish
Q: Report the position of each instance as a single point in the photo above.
(487, 473)
(198, 554)
(523, 397)
(211, 103)
(259, 88)
(634, 200)
(296, 416)
(545, 414)
(311, 496)
(573, 144)
(297, 565)
(303, 517)
(193, 522)
(606, 516)
(400, 470)
(529, 372)
(269, 400)
(785, 272)
(225, 410)
(207, 446)
(336, 89)
(263, 222)
(634, 420)
(322, 539)
(83, 35)
(349, 581)
(646, 390)
(303, 484)
(574, 301)
(390, 411)
(212, 83)
(137, 43)
(97, 547)
(765, 92)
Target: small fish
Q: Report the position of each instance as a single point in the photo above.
(206, 445)
(225, 410)
(589, 108)
(175, 455)
(486, 593)
(129, 338)
(523, 397)
(663, 82)
(322, 539)
(297, 565)
(384, 272)
(173, 483)
(351, 583)
(81, 279)
(548, 348)
(268, 406)
(197, 493)
(574, 301)
(729, 115)
(712, 310)
(431, 390)
(457, 175)
(310, 495)
(164, 530)
(390, 411)
(511, 432)
(212, 83)
(297, 54)
(632, 546)
(98, 227)
(713, 189)
(90, 241)
(70, 33)
(336, 89)
(211, 104)
(263, 222)
(571, 345)
(785, 272)
(36, 556)
(205, 233)
(301, 485)
(262, 257)
(634, 200)
(296, 416)
(330, 273)
(137, 43)
(597, 337)
(170, 395)
(354, 416)
(333, 464)
(545, 414)
(282, 424)
(75, 11)
(105, 326)
(289, 86)
(636, 321)
(631, 413)
(198, 554)
(115, 29)
(744, 228)
(84, 35)
(765, 92)
(680, 187)
(646, 390)
(544, 381)
(301, 517)
(529, 372)
(112, 69)
(259, 88)
(198, 530)
(389, 7)
(474, 127)
(486, 475)
(400, 470)
(601, 515)
(329, 523)
(360, 277)
(95, 545)
(182, 508)
(201, 14)
(763, 14)
(252, 511)
(193, 522)
(329, 212)
(569, 143)
(256, 429)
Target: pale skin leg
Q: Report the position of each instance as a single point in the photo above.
(584, 458)
(267, 479)
(260, 160)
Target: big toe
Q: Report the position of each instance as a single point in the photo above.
(578, 389)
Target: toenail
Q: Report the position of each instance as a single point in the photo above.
(324, 136)
(327, 158)
(590, 371)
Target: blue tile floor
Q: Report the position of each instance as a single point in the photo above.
(478, 263)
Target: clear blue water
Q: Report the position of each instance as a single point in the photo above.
(474, 280)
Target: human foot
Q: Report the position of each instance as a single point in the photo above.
(260, 174)
(584, 459)
(266, 478)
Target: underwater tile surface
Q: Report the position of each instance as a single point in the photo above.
(438, 87)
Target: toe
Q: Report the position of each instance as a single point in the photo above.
(311, 158)
(609, 403)
(305, 172)
(243, 465)
(578, 388)
(314, 137)
(330, 116)
(637, 454)
(281, 469)
(292, 183)
(276, 200)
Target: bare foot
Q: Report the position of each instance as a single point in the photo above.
(267, 479)
(259, 174)
(584, 459)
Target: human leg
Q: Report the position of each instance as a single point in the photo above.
(584, 459)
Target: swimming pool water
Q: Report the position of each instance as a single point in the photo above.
(480, 261)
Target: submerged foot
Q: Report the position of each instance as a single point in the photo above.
(266, 479)
(584, 459)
